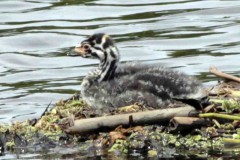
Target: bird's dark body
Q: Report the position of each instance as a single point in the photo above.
(113, 85)
(152, 85)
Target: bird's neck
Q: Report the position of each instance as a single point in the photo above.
(108, 65)
(107, 70)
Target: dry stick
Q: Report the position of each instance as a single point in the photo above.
(140, 118)
(182, 123)
(218, 73)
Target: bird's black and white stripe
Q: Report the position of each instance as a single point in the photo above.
(116, 85)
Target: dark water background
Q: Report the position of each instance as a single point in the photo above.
(35, 36)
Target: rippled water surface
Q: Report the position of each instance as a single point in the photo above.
(37, 34)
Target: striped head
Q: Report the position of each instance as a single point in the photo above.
(98, 46)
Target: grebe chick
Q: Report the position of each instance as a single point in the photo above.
(116, 85)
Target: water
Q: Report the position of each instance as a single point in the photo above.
(36, 36)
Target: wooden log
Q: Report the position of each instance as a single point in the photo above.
(140, 118)
(218, 73)
(183, 123)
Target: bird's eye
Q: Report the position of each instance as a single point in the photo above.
(86, 46)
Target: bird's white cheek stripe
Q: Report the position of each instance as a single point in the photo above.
(99, 53)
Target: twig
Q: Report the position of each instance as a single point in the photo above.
(140, 118)
(34, 121)
(219, 115)
(46, 109)
(221, 74)
(231, 143)
(228, 140)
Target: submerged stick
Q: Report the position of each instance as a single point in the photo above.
(221, 74)
(140, 118)
(182, 123)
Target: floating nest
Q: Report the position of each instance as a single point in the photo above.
(214, 128)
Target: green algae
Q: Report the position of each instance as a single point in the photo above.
(119, 146)
(46, 126)
(230, 105)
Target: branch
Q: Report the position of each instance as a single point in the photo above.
(140, 118)
(182, 123)
(218, 73)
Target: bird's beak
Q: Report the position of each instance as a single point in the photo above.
(77, 51)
